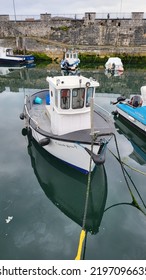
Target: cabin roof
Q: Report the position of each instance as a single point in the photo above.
(116, 60)
(71, 81)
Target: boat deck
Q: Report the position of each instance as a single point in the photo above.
(102, 124)
(40, 116)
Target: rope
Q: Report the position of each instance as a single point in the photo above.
(83, 232)
(134, 169)
(134, 202)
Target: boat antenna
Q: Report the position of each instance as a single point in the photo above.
(121, 6)
(14, 10)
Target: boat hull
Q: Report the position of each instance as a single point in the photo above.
(28, 58)
(70, 66)
(11, 62)
(69, 152)
(133, 121)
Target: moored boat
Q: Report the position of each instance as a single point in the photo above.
(8, 58)
(114, 64)
(70, 61)
(133, 110)
(61, 119)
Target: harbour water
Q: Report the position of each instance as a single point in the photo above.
(42, 200)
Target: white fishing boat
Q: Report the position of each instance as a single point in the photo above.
(62, 121)
(8, 58)
(70, 61)
(133, 110)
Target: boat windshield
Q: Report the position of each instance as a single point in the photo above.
(89, 94)
(68, 55)
(65, 98)
(74, 55)
(78, 95)
(9, 52)
(78, 98)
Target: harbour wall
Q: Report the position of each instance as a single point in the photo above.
(88, 34)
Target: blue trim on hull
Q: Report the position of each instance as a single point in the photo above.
(138, 113)
(11, 62)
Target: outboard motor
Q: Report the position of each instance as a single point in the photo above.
(136, 101)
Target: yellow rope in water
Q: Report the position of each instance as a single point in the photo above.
(132, 168)
(80, 246)
(83, 232)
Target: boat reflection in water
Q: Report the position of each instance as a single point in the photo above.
(136, 139)
(5, 70)
(70, 72)
(113, 73)
(66, 187)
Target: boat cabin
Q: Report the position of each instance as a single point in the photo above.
(71, 55)
(6, 52)
(69, 108)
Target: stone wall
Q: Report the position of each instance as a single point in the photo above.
(88, 33)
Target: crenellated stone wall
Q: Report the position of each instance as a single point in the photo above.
(108, 33)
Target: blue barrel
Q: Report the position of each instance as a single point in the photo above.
(48, 99)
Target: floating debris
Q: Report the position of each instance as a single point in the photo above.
(8, 220)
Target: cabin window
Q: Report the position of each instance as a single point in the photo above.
(56, 98)
(89, 94)
(78, 95)
(74, 55)
(65, 98)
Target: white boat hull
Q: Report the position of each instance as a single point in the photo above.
(72, 153)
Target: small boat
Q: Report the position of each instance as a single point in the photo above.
(114, 64)
(8, 58)
(66, 188)
(137, 139)
(70, 61)
(61, 120)
(133, 110)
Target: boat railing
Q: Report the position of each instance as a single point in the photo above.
(26, 110)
